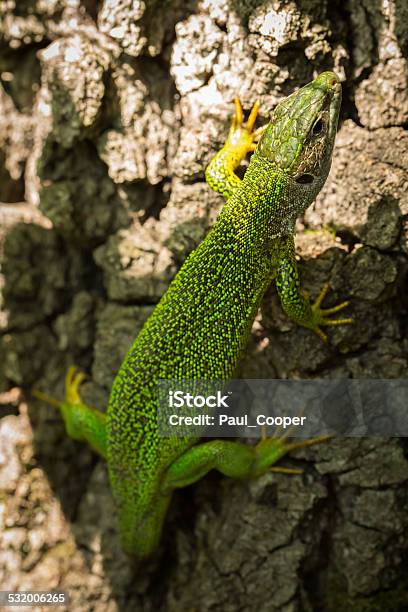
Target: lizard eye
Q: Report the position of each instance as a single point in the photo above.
(317, 128)
(305, 179)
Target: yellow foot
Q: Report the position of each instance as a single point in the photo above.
(242, 136)
(321, 314)
(73, 380)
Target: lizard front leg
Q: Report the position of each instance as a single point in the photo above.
(220, 172)
(81, 422)
(295, 303)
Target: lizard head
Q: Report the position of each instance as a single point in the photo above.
(300, 136)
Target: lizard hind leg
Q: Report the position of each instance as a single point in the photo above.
(82, 422)
(233, 459)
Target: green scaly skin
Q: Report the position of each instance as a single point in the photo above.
(200, 327)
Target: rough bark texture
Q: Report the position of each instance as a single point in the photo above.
(109, 113)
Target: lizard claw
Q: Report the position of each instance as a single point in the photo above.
(320, 314)
(286, 447)
(301, 444)
(290, 446)
(73, 380)
(242, 136)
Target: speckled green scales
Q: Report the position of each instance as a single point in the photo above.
(200, 327)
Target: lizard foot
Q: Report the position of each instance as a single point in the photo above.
(242, 136)
(287, 447)
(73, 380)
(290, 446)
(320, 315)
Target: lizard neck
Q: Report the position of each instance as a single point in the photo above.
(265, 206)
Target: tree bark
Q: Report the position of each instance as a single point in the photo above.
(110, 113)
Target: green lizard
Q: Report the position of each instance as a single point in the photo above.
(201, 325)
